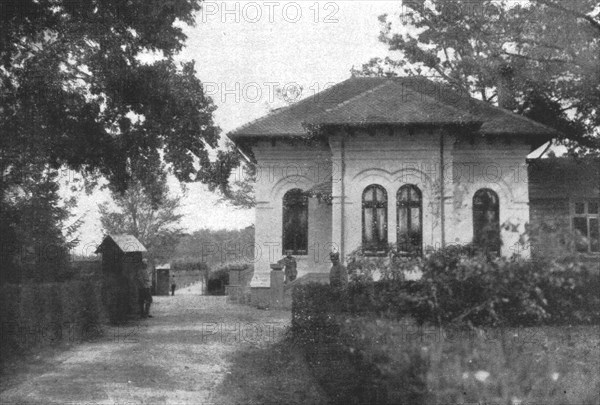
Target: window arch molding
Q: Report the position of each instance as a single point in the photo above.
(285, 184)
(374, 220)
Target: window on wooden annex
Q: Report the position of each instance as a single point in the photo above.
(410, 220)
(486, 221)
(374, 220)
(295, 222)
(585, 224)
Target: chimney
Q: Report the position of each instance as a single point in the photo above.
(505, 88)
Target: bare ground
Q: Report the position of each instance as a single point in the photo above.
(195, 349)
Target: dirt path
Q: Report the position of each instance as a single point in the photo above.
(195, 349)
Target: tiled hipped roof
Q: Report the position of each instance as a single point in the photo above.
(127, 243)
(390, 101)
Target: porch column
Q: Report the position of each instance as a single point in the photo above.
(336, 144)
(446, 178)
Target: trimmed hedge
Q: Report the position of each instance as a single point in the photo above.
(36, 314)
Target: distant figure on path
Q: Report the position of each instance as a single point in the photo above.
(289, 264)
(144, 293)
(173, 285)
(338, 275)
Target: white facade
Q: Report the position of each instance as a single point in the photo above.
(388, 158)
(283, 166)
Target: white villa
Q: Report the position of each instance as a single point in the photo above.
(374, 162)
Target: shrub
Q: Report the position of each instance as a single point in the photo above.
(571, 295)
(218, 278)
(482, 292)
(486, 292)
(395, 264)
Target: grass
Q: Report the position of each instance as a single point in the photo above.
(541, 365)
(276, 374)
(549, 365)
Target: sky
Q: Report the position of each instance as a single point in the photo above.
(243, 51)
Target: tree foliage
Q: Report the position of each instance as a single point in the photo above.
(239, 192)
(155, 223)
(77, 92)
(545, 53)
(218, 247)
(33, 245)
(92, 85)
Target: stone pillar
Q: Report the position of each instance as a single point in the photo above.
(267, 236)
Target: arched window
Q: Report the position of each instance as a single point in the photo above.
(410, 220)
(295, 222)
(374, 220)
(486, 221)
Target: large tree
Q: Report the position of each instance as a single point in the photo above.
(92, 85)
(544, 54)
(31, 230)
(154, 221)
(77, 92)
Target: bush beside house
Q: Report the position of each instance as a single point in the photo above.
(459, 286)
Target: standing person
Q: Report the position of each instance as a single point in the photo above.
(144, 293)
(289, 264)
(173, 285)
(338, 275)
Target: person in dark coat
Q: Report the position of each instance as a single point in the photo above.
(144, 293)
(289, 264)
(173, 285)
(338, 275)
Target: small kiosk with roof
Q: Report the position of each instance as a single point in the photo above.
(122, 254)
(163, 279)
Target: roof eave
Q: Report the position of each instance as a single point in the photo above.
(395, 124)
